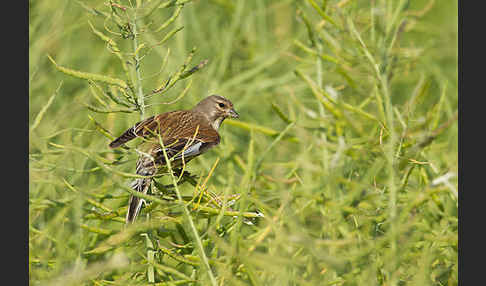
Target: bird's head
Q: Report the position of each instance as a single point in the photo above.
(216, 108)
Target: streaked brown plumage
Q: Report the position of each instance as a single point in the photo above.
(185, 134)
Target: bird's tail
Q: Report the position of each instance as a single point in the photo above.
(144, 168)
(135, 203)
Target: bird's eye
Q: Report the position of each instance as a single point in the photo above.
(221, 105)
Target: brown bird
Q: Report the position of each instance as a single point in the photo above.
(185, 134)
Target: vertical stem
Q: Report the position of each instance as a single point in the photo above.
(199, 245)
(372, 16)
(141, 104)
(138, 82)
(319, 76)
(390, 154)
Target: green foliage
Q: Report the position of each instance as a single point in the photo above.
(347, 142)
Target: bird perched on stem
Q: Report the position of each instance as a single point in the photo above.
(185, 134)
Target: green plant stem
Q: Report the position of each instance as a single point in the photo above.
(319, 78)
(138, 83)
(200, 247)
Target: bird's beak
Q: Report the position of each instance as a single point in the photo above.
(233, 113)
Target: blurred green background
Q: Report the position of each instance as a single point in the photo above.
(346, 142)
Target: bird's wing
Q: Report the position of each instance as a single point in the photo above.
(171, 125)
(145, 128)
(183, 133)
(186, 135)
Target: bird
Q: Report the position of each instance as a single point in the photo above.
(185, 134)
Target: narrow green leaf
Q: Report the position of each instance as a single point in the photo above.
(194, 69)
(319, 94)
(101, 129)
(171, 270)
(150, 258)
(91, 76)
(97, 229)
(170, 20)
(41, 113)
(319, 10)
(280, 114)
(438, 108)
(308, 50)
(310, 31)
(96, 109)
(169, 35)
(177, 76)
